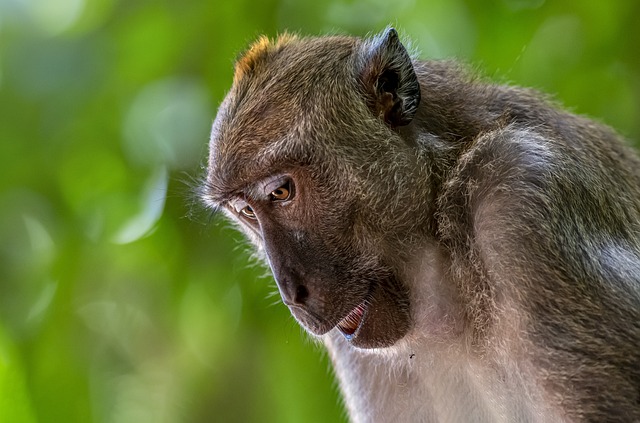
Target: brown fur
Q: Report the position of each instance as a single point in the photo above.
(493, 238)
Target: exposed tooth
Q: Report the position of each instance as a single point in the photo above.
(349, 325)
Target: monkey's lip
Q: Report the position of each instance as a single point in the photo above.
(351, 323)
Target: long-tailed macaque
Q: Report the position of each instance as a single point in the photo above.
(467, 251)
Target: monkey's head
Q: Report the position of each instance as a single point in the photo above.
(307, 155)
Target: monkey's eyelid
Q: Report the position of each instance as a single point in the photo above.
(283, 192)
(271, 184)
(247, 211)
(281, 189)
(241, 208)
(237, 205)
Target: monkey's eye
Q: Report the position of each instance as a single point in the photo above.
(281, 193)
(248, 212)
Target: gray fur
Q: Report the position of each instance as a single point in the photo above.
(492, 238)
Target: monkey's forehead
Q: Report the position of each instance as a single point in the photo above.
(242, 155)
(282, 87)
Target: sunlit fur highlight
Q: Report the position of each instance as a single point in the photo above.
(257, 52)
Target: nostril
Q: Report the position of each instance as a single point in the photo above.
(301, 294)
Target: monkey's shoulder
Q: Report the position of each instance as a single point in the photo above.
(552, 163)
(528, 182)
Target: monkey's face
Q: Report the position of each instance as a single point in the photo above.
(309, 164)
(324, 270)
(315, 218)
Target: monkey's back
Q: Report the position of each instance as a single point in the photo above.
(553, 203)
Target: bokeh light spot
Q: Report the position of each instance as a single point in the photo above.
(50, 17)
(151, 206)
(168, 123)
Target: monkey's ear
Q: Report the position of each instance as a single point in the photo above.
(389, 80)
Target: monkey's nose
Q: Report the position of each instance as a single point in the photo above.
(302, 293)
(291, 284)
(294, 294)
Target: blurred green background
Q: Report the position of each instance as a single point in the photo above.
(121, 300)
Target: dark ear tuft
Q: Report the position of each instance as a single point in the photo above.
(391, 84)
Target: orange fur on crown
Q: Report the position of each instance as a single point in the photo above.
(257, 51)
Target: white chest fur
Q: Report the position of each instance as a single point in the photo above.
(429, 376)
(423, 386)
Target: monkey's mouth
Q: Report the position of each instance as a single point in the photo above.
(352, 322)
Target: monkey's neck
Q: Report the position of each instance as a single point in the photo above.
(425, 383)
(430, 375)
(456, 107)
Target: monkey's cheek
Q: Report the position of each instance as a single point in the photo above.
(386, 321)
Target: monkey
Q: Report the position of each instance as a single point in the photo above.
(467, 251)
